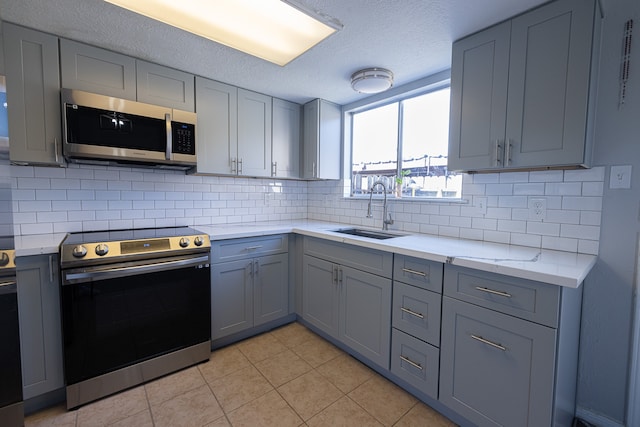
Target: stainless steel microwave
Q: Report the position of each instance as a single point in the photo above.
(103, 129)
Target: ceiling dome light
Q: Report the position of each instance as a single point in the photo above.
(372, 80)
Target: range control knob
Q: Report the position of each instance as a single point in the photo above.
(102, 249)
(198, 241)
(184, 242)
(4, 259)
(79, 251)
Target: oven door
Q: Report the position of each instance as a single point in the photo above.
(10, 370)
(117, 315)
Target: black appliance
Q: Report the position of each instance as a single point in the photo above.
(103, 129)
(135, 306)
(11, 405)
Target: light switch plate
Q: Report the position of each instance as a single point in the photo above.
(620, 177)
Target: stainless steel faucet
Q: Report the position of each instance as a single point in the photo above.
(386, 218)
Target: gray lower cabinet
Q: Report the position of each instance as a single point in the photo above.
(350, 304)
(417, 300)
(249, 284)
(33, 96)
(40, 324)
(509, 349)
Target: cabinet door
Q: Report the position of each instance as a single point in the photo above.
(270, 288)
(217, 127)
(285, 141)
(231, 297)
(479, 79)
(496, 370)
(40, 325)
(165, 86)
(322, 141)
(365, 314)
(320, 294)
(254, 134)
(549, 78)
(33, 96)
(96, 70)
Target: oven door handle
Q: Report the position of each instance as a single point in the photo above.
(95, 274)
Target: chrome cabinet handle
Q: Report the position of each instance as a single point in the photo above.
(168, 148)
(335, 275)
(419, 273)
(507, 153)
(493, 292)
(497, 153)
(313, 172)
(256, 267)
(239, 166)
(274, 169)
(252, 248)
(411, 362)
(411, 312)
(234, 163)
(55, 148)
(50, 268)
(489, 343)
(340, 276)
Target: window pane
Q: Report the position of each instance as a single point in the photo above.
(425, 139)
(374, 147)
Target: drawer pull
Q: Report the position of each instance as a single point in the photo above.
(490, 343)
(491, 291)
(252, 248)
(411, 362)
(411, 312)
(419, 273)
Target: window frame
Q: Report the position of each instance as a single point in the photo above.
(420, 87)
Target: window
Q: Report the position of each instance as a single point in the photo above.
(404, 145)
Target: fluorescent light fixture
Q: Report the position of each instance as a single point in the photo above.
(275, 30)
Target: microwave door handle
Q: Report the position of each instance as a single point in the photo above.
(167, 120)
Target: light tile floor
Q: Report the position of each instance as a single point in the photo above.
(285, 377)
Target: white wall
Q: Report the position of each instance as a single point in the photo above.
(608, 292)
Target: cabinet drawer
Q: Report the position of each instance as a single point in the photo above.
(415, 361)
(418, 272)
(233, 249)
(496, 370)
(371, 260)
(417, 312)
(529, 300)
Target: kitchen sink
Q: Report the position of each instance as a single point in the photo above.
(371, 234)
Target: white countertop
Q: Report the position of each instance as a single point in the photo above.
(553, 267)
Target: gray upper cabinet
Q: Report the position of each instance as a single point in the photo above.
(321, 141)
(286, 137)
(40, 324)
(520, 91)
(254, 134)
(165, 86)
(217, 129)
(234, 130)
(33, 96)
(96, 70)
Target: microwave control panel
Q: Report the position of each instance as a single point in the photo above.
(183, 137)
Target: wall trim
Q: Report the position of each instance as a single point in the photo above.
(596, 419)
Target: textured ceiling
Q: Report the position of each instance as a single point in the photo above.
(410, 37)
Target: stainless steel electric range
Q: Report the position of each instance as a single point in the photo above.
(135, 306)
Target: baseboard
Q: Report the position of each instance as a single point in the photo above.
(595, 419)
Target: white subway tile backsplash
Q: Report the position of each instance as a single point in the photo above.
(84, 197)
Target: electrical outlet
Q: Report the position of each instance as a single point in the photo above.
(481, 205)
(537, 209)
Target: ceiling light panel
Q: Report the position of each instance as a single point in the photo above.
(269, 29)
